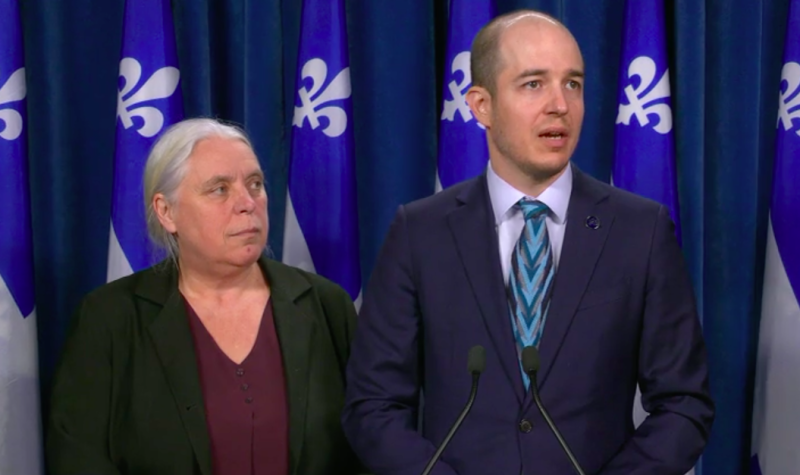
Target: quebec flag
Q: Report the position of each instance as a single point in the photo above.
(20, 419)
(321, 231)
(463, 151)
(148, 101)
(644, 157)
(776, 418)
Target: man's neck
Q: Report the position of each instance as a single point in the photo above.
(532, 186)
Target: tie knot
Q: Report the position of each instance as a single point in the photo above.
(532, 209)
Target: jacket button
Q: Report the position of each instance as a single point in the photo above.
(525, 426)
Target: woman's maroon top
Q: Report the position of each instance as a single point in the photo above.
(246, 407)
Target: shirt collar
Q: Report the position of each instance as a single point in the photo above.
(504, 197)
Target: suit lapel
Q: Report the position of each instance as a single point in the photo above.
(292, 310)
(579, 254)
(472, 224)
(172, 338)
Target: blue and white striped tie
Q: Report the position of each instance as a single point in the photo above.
(531, 279)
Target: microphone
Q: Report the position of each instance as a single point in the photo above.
(476, 363)
(530, 363)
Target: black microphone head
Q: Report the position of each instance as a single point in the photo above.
(530, 359)
(476, 360)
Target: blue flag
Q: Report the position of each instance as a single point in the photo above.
(644, 158)
(20, 420)
(148, 101)
(462, 139)
(776, 418)
(321, 233)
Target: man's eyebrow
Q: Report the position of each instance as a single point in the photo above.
(532, 72)
(572, 73)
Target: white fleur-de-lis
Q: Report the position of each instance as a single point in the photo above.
(160, 85)
(788, 106)
(12, 91)
(458, 103)
(640, 104)
(311, 99)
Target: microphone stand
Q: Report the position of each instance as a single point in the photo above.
(455, 427)
(546, 415)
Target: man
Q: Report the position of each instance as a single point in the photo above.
(532, 253)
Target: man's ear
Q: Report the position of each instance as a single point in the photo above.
(164, 212)
(480, 103)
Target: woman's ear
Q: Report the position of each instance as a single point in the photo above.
(165, 213)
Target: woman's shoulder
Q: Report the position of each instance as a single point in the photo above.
(157, 275)
(119, 296)
(291, 276)
(335, 306)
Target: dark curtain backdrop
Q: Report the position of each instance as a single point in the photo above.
(237, 61)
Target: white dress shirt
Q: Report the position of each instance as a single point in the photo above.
(509, 220)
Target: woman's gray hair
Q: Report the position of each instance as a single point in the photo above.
(166, 168)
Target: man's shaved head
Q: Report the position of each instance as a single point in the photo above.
(486, 57)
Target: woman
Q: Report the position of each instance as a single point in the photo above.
(217, 360)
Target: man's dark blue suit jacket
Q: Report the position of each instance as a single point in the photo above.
(622, 312)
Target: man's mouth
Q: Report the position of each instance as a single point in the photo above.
(554, 134)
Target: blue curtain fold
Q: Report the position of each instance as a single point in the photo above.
(392, 59)
(72, 55)
(238, 62)
(744, 47)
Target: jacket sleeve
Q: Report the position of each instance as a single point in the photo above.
(673, 369)
(77, 437)
(383, 375)
(340, 314)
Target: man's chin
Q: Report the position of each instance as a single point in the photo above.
(544, 171)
